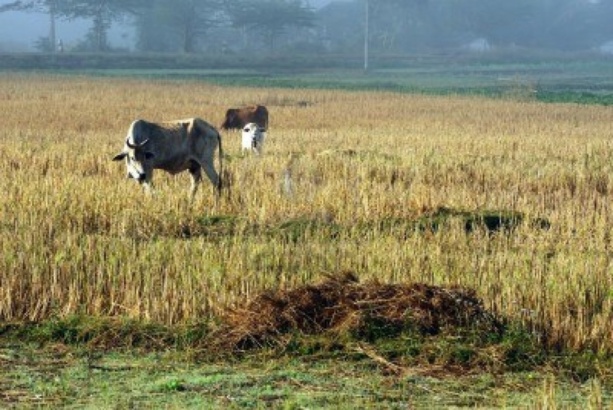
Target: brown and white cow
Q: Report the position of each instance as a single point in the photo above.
(173, 146)
(237, 118)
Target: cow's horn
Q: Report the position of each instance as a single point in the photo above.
(134, 146)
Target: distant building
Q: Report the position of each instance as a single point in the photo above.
(478, 45)
(606, 48)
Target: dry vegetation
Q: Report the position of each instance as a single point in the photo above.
(76, 237)
(341, 305)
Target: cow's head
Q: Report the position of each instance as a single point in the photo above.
(251, 128)
(232, 120)
(254, 130)
(253, 137)
(137, 160)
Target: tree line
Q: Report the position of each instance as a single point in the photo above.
(395, 26)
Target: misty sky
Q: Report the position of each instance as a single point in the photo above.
(578, 26)
(19, 31)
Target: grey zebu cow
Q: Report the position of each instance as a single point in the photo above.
(173, 146)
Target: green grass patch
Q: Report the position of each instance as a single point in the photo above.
(306, 227)
(554, 78)
(59, 364)
(487, 220)
(107, 333)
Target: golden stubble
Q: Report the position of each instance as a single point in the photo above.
(78, 238)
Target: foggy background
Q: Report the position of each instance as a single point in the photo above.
(305, 26)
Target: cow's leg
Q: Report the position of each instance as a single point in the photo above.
(209, 169)
(195, 170)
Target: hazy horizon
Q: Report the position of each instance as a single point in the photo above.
(20, 30)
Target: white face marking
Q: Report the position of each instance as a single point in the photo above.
(136, 163)
(135, 167)
(253, 137)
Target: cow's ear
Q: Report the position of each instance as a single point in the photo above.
(120, 156)
(149, 155)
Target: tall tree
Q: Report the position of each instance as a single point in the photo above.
(189, 20)
(52, 8)
(270, 18)
(9, 6)
(578, 24)
(102, 13)
(498, 21)
(392, 15)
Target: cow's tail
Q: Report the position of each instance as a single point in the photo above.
(220, 179)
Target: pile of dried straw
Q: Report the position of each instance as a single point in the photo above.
(341, 303)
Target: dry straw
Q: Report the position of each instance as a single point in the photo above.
(76, 237)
